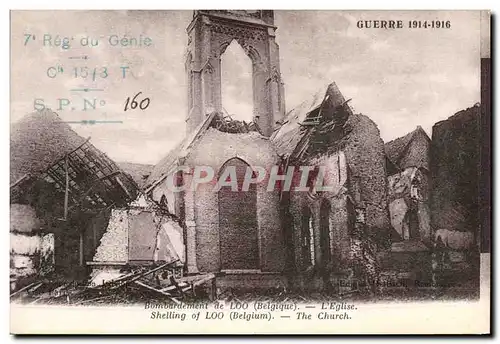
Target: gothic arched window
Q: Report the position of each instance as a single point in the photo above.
(236, 83)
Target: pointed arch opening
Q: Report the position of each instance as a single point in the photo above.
(237, 83)
(238, 226)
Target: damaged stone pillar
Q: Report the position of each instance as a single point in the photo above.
(260, 97)
(276, 88)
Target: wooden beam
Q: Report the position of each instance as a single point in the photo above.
(122, 263)
(25, 288)
(203, 280)
(123, 186)
(145, 274)
(70, 152)
(158, 291)
(20, 180)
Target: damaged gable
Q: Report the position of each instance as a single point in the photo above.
(411, 150)
(168, 163)
(309, 126)
(215, 120)
(319, 129)
(290, 133)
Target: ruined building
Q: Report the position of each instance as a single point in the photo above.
(409, 186)
(270, 236)
(76, 212)
(62, 190)
(323, 226)
(455, 172)
(225, 230)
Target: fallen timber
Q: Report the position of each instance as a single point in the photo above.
(133, 287)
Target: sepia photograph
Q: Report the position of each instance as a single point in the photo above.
(250, 171)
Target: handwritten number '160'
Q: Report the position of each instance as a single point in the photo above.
(143, 104)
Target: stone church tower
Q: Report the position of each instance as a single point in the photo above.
(209, 34)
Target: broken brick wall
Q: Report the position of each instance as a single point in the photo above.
(360, 142)
(455, 168)
(356, 151)
(408, 198)
(365, 154)
(140, 235)
(95, 226)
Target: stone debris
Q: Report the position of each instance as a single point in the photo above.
(228, 125)
(105, 274)
(454, 240)
(130, 285)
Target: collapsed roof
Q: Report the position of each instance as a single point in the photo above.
(44, 148)
(37, 140)
(411, 150)
(324, 113)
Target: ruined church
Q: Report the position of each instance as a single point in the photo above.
(271, 236)
(76, 213)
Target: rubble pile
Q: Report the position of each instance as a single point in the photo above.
(228, 125)
(133, 285)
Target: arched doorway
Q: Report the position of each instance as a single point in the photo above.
(238, 227)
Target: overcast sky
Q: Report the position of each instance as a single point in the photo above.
(399, 78)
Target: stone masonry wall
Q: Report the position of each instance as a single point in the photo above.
(365, 154)
(455, 167)
(31, 251)
(214, 149)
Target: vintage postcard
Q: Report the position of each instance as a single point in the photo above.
(250, 172)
